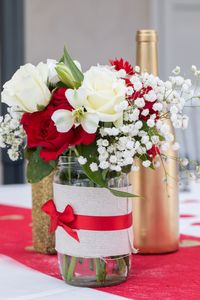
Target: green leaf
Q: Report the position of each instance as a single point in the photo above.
(104, 174)
(118, 193)
(126, 169)
(28, 152)
(53, 163)
(77, 74)
(62, 59)
(37, 168)
(60, 84)
(90, 152)
(65, 75)
(95, 177)
(98, 177)
(144, 157)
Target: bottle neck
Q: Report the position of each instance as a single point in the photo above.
(146, 51)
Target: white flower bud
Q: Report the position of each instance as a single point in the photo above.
(157, 106)
(82, 160)
(105, 143)
(148, 145)
(135, 168)
(155, 139)
(129, 90)
(193, 69)
(145, 112)
(121, 73)
(137, 86)
(146, 163)
(151, 96)
(104, 165)
(179, 80)
(145, 139)
(177, 70)
(93, 167)
(139, 102)
(151, 123)
(175, 146)
(138, 125)
(168, 85)
(173, 110)
(137, 69)
(134, 79)
(184, 162)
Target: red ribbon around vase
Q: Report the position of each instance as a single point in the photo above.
(70, 221)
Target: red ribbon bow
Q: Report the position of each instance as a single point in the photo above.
(63, 219)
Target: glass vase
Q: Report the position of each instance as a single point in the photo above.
(96, 260)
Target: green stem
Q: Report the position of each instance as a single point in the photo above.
(64, 266)
(80, 260)
(91, 264)
(72, 265)
(76, 152)
(69, 166)
(121, 265)
(100, 270)
(127, 261)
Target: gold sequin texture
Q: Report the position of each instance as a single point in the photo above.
(43, 241)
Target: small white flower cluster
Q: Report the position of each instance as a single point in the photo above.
(195, 71)
(119, 147)
(144, 123)
(12, 133)
(170, 96)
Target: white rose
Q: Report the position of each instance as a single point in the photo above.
(52, 74)
(104, 92)
(27, 89)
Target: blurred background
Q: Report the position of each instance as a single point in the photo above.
(95, 31)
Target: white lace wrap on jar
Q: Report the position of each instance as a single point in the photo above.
(92, 201)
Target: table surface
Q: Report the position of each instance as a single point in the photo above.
(18, 282)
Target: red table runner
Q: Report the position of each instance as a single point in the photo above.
(174, 276)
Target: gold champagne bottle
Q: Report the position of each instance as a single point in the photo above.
(156, 214)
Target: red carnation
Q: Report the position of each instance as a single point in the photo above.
(41, 130)
(148, 104)
(153, 151)
(122, 64)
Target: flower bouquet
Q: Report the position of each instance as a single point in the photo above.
(92, 129)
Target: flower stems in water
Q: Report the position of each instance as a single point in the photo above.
(91, 264)
(95, 271)
(100, 270)
(70, 272)
(64, 263)
(121, 263)
(69, 166)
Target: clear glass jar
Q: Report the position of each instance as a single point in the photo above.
(89, 271)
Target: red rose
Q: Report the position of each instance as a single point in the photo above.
(41, 130)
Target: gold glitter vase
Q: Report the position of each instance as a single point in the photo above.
(43, 241)
(156, 214)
